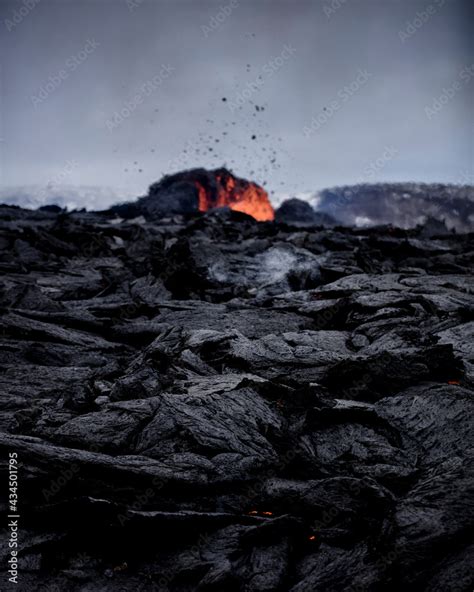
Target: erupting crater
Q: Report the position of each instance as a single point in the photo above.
(238, 194)
(201, 189)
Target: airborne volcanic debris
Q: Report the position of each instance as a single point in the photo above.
(294, 394)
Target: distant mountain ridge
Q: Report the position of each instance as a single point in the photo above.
(71, 197)
(402, 204)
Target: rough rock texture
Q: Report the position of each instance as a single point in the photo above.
(301, 212)
(218, 404)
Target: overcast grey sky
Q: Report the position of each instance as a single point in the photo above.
(117, 92)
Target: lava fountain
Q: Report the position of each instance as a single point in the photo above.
(237, 194)
(200, 190)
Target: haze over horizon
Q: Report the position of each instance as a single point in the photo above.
(297, 96)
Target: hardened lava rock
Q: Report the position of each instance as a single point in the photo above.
(208, 403)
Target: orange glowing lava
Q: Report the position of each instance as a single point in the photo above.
(238, 194)
(256, 512)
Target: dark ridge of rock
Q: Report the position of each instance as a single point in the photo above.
(163, 201)
(401, 204)
(294, 210)
(169, 197)
(297, 211)
(173, 195)
(53, 209)
(208, 403)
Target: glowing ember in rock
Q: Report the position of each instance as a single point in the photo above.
(256, 512)
(238, 194)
